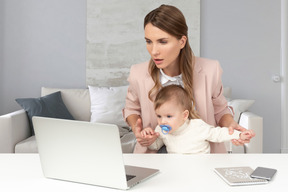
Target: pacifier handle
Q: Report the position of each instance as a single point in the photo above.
(165, 129)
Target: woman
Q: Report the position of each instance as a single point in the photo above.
(172, 62)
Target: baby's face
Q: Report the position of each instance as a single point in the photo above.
(170, 114)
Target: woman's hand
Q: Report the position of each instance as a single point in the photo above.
(228, 121)
(147, 131)
(246, 134)
(144, 139)
(236, 126)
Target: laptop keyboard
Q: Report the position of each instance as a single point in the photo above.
(128, 177)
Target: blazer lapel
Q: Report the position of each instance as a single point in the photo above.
(149, 83)
(199, 86)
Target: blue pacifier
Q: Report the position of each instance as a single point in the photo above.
(165, 129)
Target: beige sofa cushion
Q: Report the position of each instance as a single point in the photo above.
(127, 138)
(77, 101)
(28, 145)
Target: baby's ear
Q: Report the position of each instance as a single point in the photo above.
(185, 114)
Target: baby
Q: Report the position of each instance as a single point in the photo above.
(180, 129)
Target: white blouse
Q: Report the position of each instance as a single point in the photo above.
(167, 80)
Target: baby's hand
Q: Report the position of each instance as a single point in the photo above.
(147, 131)
(247, 135)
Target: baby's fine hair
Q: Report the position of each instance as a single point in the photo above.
(179, 95)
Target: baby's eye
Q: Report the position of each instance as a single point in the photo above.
(158, 116)
(169, 116)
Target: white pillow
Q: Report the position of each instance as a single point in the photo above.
(107, 104)
(240, 106)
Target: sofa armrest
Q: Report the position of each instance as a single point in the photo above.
(128, 142)
(250, 120)
(14, 127)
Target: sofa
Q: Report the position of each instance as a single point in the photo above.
(104, 104)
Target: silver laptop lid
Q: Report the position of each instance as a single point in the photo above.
(80, 151)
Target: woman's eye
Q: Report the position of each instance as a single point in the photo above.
(158, 116)
(163, 42)
(148, 41)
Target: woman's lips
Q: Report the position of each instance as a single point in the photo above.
(158, 61)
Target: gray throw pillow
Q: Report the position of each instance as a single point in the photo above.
(48, 106)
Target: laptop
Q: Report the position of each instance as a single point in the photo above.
(85, 152)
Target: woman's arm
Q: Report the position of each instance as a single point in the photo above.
(223, 115)
(131, 120)
(228, 121)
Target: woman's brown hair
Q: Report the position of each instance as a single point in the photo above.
(171, 20)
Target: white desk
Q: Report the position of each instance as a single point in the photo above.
(22, 172)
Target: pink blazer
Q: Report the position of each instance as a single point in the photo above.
(210, 102)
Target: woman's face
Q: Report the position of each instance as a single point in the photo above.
(164, 49)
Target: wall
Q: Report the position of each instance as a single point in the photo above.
(42, 43)
(284, 73)
(245, 37)
(1, 56)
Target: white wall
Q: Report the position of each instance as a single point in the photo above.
(1, 57)
(42, 43)
(245, 37)
(284, 59)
